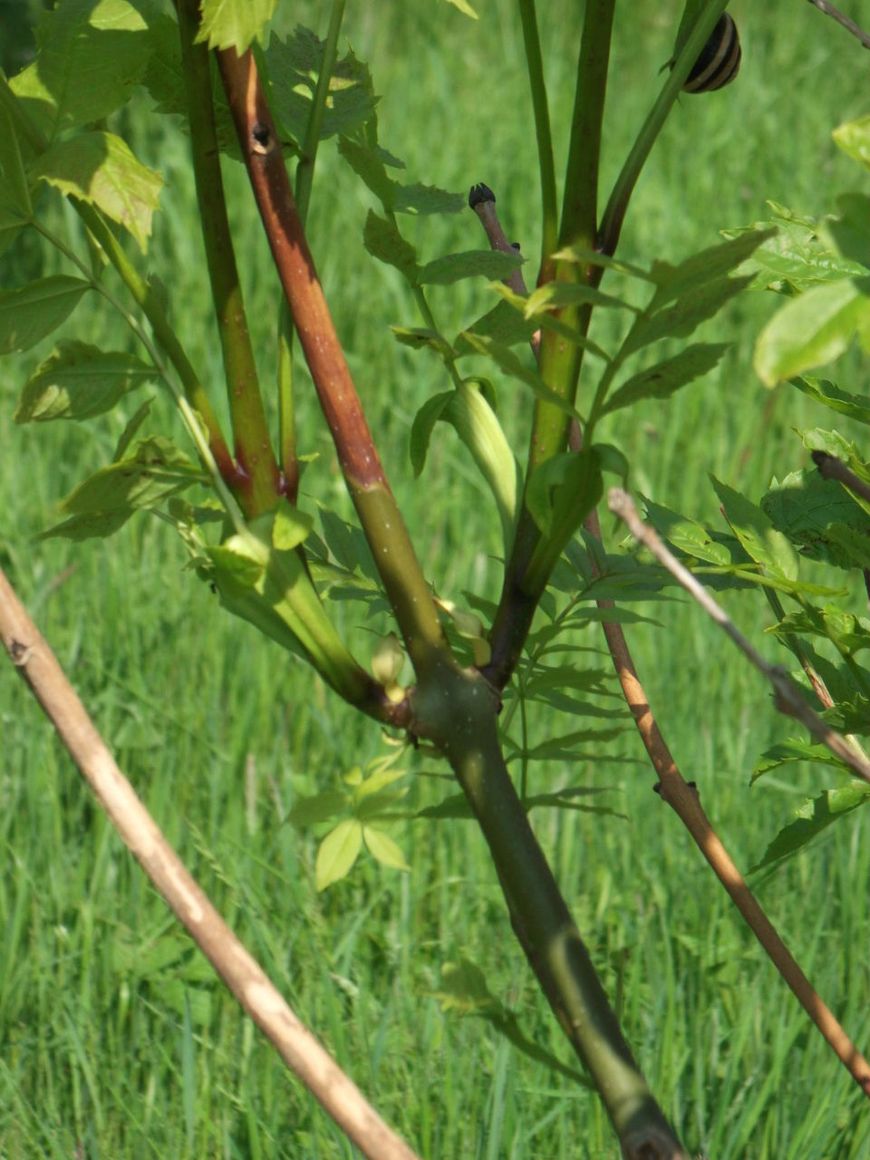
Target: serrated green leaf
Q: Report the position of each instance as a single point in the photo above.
(418, 337)
(294, 66)
(100, 169)
(813, 329)
(155, 470)
(348, 544)
(369, 167)
(850, 230)
(383, 849)
(130, 429)
(663, 379)
(547, 321)
(78, 381)
(384, 242)
(452, 268)
(503, 324)
(231, 24)
(557, 295)
(854, 139)
(679, 320)
(812, 818)
(587, 257)
(761, 541)
(830, 395)
(318, 808)
(452, 808)
(821, 517)
(30, 313)
(337, 853)
(94, 525)
(696, 274)
(91, 55)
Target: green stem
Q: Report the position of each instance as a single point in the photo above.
(260, 490)
(308, 158)
(460, 715)
(546, 165)
(560, 360)
(614, 213)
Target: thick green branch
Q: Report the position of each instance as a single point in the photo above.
(379, 514)
(614, 213)
(458, 712)
(260, 489)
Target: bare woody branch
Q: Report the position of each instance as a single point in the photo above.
(296, 1045)
(788, 698)
(683, 798)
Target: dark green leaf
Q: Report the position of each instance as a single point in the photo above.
(29, 314)
(813, 817)
(93, 525)
(294, 70)
(685, 315)
(418, 337)
(663, 379)
(155, 470)
(821, 517)
(557, 295)
(696, 274)
(79, 381)
(829, 394)
(15, 204)
(384, 242)
(563, 490)
(761, 541)
(473, 263)
(850, 231)
(422, 427)
(503, 324)
(347, 544)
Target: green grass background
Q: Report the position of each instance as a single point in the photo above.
(115, 1041)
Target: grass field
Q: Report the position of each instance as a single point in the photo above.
(115, 1039)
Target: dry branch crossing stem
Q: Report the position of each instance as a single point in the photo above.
(299, 1049)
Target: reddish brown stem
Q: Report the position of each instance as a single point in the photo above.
(360, 463)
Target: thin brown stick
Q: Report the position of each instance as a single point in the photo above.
(682, 797)
(787, 696)
(296, 1045)
(830, 467)
(842, 19)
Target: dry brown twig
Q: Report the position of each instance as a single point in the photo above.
(301, 1052)
(787, 696)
